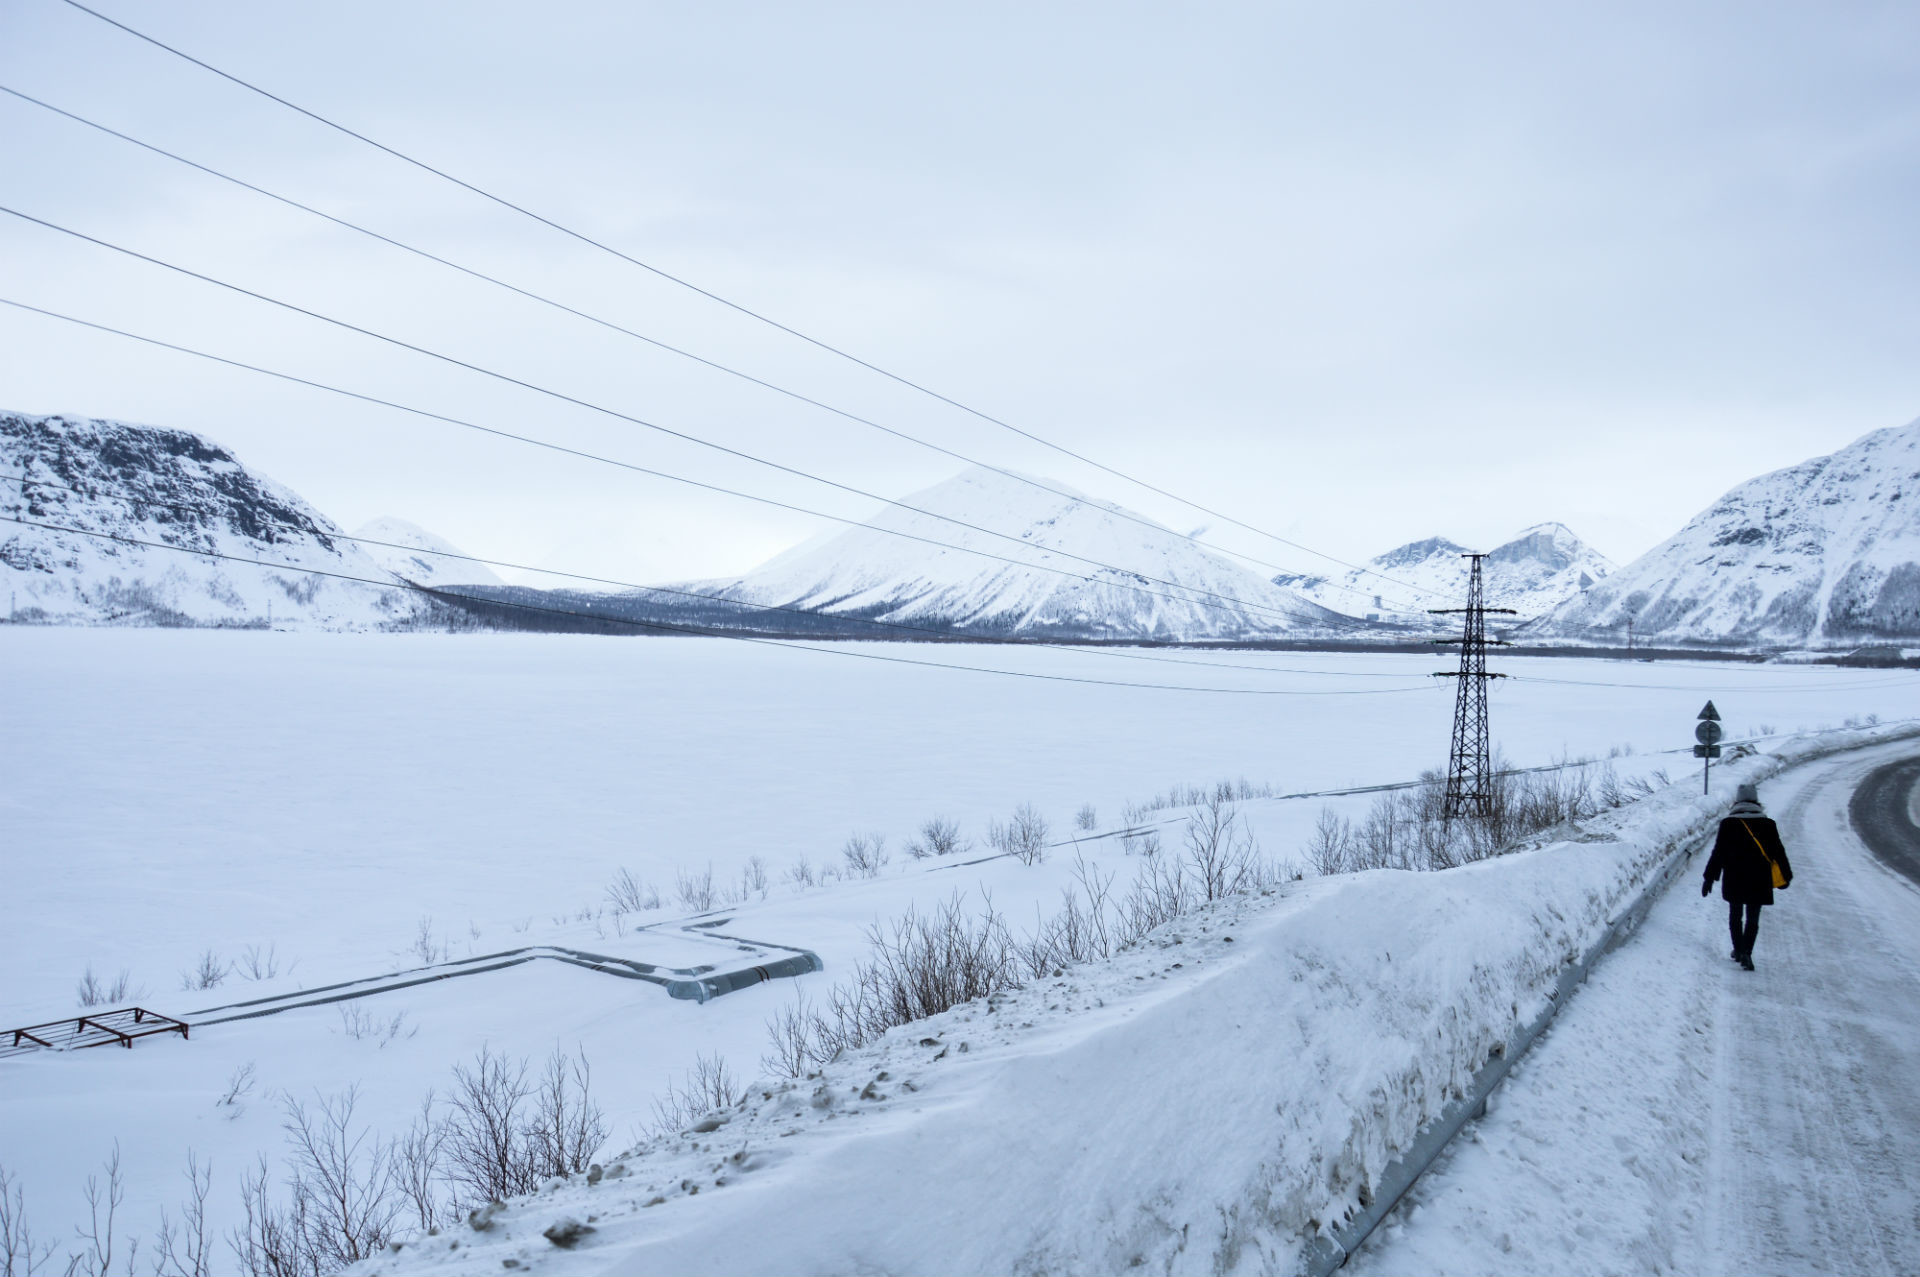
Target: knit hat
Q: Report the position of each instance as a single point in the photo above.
(1746, 801)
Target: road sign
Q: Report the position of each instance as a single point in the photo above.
(1708, 732)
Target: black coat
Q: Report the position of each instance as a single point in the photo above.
(1745, 877)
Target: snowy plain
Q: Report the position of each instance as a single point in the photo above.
(167, 792)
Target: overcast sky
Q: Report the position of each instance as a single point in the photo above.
(1353, 273)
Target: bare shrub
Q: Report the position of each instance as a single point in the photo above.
(1330, 849)
(256, 963)
(790, 1035)
(710, 1086)
(207, 974)
(417, 1159)
(628, 894)
(865, 855)
(94, 992)
(493, 1144)
(938, 837)
(1084, 929)
(341, 1202)
(103, 1206)
(239, 1085)
(694, 890)
(754, 879)
(484, 1148)
(800, 872)
(183, 1251)
(1024, 837)
(1086, 819)
(425, 946)
(361, 1025)
(20, 1254)
(1160, 893)
(1221, 855)
(922, 964)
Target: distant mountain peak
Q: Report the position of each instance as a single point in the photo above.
(414, 554)
(1823, 552)
(1533, 573)
(1065, 564)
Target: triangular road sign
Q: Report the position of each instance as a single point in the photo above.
(1711, 714)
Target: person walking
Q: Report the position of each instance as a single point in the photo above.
(1750, 862)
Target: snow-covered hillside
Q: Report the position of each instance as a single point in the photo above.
(414, 554)
(1823, 553)
(168, 488)
(1533, 573)
(1169, 588)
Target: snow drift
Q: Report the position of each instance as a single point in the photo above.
(1210, 1101)
(1825, 553)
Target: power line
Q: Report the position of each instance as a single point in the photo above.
(702, 633)
(730, 304)
(655, 342)
(138, 499)
(1227, 602)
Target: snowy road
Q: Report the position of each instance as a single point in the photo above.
(1883, 814)
(1685, 1116)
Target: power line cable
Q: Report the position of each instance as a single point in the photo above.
(704, 633)
(1199, 597)
(655, 342)
(733, 305)
(141, 499)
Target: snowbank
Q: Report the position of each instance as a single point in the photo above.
(1212, 1100)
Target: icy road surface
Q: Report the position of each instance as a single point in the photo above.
(1686, 1116)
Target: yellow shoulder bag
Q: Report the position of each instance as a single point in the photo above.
(1779, 879)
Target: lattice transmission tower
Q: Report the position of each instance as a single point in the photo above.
(1470, 761)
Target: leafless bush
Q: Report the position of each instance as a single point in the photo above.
(800, 872)
(694, 890)
(1330, 850)
(1024, 837)
(922, 964)
(708, 1087)
(425, 946)
(1136, 840)
(239, 1085)
(259, 964)
(183, 1251)
(94, 992)
(938, 837)
(97, 1237)
(628, 894)
(342, 1199)
(493, 1148)
(1221, 855)
(1086, 819)
(208, 974)
(865, 855)
(360, 1025)
(754, 879)
(20, 1254)
(1084, 929)
(1159, 893)
(790, 1037)
(417, 1159)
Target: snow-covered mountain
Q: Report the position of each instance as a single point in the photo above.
(168, 488)
(1823, 553)
(1533, 573)
(869, 572)
(414, 554)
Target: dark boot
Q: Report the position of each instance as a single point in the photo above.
(1746, 962)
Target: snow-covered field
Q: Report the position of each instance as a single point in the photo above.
(169, 792)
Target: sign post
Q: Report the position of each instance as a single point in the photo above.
(1708, 733)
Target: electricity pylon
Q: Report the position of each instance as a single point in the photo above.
(1470, 761)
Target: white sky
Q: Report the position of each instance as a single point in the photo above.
(1356, 274)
